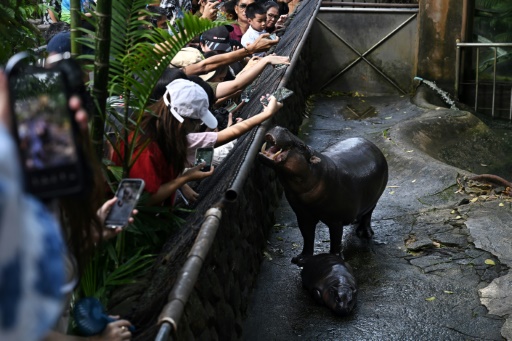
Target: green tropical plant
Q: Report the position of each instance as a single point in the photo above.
(493, 23)
(17, 33)
(129, 59)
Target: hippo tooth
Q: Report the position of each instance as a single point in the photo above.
(263, 147)
(276, 154)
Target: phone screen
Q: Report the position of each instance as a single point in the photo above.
(280, 94)
(204, 155)
(43, 120)
(45, 132)
(127, 194)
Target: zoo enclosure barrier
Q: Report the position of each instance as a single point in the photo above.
(477, 82)
(172, 312)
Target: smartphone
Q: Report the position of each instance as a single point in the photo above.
(128, 194)
(45, 129)
(273, 36)
(280, 94)
(204, 155)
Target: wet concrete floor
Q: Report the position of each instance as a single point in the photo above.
(435, 245)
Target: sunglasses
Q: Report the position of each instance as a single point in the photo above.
(243, 6)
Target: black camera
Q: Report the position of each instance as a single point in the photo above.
(44, 126)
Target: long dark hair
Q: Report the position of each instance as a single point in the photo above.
(159, 125)
(81, 225)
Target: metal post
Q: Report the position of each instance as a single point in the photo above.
(476, 78)
(494, 80)
(457, 70)
(510, 113)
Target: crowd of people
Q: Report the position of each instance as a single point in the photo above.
(193, 107)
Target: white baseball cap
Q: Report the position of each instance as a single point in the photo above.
(188, 99)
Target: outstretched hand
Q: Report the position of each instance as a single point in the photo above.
(263, 43)
(275, 60)
(273, 105)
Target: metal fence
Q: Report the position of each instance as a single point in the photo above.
(476, 82)
(369, 3)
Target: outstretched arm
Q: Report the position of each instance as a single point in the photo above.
(212, 63)
(237, 130)
(247, 77)
(166, 190)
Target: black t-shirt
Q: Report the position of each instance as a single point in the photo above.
(283, 8)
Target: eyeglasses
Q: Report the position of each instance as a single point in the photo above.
(272, 16)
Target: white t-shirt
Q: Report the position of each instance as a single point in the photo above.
(250, 36)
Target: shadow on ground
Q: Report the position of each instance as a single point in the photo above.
(438, 253)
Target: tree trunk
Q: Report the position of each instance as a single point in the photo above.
(101, 68)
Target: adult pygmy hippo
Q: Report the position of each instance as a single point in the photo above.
(330, 281)
(339, 187)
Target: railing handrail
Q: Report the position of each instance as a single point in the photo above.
(459, 44)
(494, 46)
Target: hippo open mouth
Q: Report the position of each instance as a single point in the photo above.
(272, 151)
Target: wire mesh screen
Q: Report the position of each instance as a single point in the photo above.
(213, 188)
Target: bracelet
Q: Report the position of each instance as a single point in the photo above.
(246, 50)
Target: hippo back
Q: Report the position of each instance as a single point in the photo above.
(361, 163)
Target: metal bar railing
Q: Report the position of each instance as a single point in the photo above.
(494, 46)
(366, 4)
(187, 277)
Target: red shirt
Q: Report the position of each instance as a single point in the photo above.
(236, 34)
(150, 166)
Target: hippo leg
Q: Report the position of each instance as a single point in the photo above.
(335, 234)
(364, 226)
(307, 226)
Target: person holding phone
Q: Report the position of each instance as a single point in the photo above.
(31, 247)
(84, 229)
(207, 9)
(32, 289)
(169, 142)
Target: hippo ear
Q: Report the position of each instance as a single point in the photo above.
(311, 153)
(317, 295)
(314, 159)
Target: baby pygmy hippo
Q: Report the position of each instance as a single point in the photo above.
(330, 281)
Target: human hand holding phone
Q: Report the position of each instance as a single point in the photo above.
(44, 121)
(204, 155)
(118, 211)
(195, 173)
(280, 94)
(210, 10)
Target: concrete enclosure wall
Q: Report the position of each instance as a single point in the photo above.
(372, 51)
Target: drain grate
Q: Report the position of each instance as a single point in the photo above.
(359, 111)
